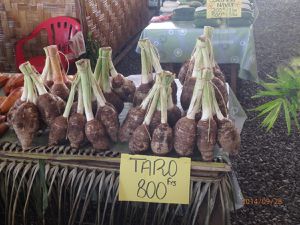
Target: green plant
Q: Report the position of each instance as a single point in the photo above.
(92, 49)
(285, 93)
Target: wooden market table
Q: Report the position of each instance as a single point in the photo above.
(175, 42)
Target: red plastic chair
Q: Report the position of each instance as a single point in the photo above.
(60, 30)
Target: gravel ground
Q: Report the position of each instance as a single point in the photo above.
(267, 165)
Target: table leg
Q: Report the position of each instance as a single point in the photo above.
(234, 69)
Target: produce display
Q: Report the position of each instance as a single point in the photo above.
(84, 109)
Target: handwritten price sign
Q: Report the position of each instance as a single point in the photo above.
(223, 8)
(154, 179)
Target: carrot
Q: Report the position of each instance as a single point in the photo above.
(14, 82)
(10, 100)
(3, 128)
(2, 98)
(3, 79)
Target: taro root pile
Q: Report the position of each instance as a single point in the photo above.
(116, 88)
(205, 97)
(149, 125)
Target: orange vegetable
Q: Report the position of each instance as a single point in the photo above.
(14, 82)
(3, 128)
(10, 100)
(2, 98)
(3, 79)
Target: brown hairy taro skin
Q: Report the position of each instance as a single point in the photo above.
(140, 140)
(141, 93)
(124, 88)
(162, 139)
(68, 84)
(134, 118)
(60, 90)
(186, 71)
(76, 126)
(12, 111)
(58, 130)
(174, 92)
(206, 138)
(47, 105)
(155, 121)
(228, 136)
(187, 92)
(198, 116)
(96, 134)
(61, 104)
(221, 95)
(185, 136)
(174, 114)
(115, 100)
(26, 123)
(219, 74)
(49, 83)
(183, 71)
(109, 118)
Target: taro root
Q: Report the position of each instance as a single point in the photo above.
(102, 76)
(146, 74)
(155, 121)
(221, 95)
(122, 86)
(174, 113)
(48, 104)
(59, 87)
(162, 138)
(185, 136)
(187, 92)
(17, 103)
(25, 121)
(228, 136)
(59, 127)
(174, 92)
(186, 70)
(206, 138)
(218, 73)
(76, 124)
(94, 129)
(141, 138)
(106, 113)
(135, 117)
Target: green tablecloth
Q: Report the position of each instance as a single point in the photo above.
(176, 40)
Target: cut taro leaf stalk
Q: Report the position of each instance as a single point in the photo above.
(122, 86)
(162, 138)
(135, 116)
(59, 87)
(59, 127)
(94, 129)
(141, 138)
(102, 75)
(25, 121)
(147, 73)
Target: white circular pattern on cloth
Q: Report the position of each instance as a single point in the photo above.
(242, 43)
(234, 110)
(171, 32)
(234, 59)
(178, 52)
(182, 32)
(156, 43)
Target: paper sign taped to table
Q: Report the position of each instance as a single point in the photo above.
(223, 8)
(154, 179)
